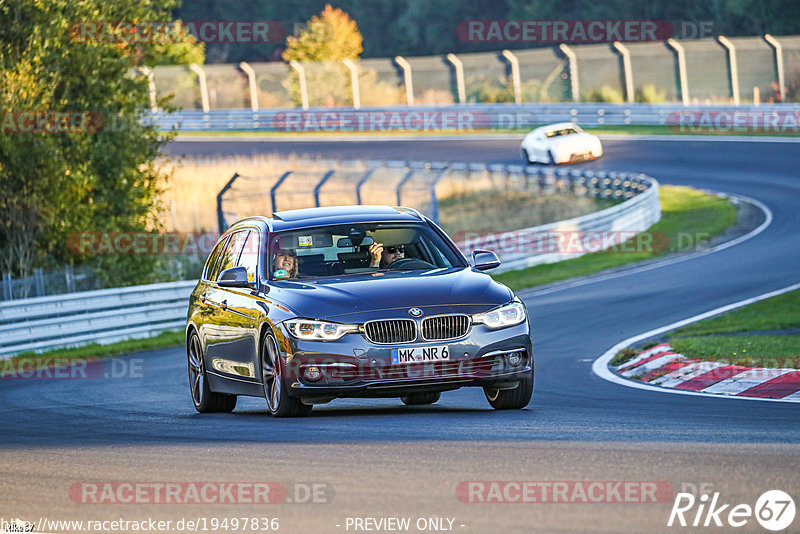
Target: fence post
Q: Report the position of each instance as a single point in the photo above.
(353, 81)
(251, 79)
(274, 190)
(400, 185)
(680, 59)
(151, 87)
(407, 80)
(325, 178)
(733, 70)
(222, 224)
(434, 210)
(69, 275)
(573, 71)
(515, 79)
(361, 182)
(627, 72)
(38, 278)
(201, 76)
(459, 66)
(301, 73)
(8, 294)
(778, 53)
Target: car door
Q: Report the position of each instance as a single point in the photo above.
(236, 353)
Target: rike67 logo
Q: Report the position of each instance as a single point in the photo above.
(774, 510)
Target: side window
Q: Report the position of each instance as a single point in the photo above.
(213, 260)
(231, 255)
(249, 255)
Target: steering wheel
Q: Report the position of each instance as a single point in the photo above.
(409, 263)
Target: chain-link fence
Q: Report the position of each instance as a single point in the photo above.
(715, 71)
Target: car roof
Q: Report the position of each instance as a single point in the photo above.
(556, 126)
(306, 217)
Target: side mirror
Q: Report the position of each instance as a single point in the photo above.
(485, 260)
(233, 277)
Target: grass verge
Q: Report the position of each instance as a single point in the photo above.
(689, 218)
(166, 339)
(702, 340)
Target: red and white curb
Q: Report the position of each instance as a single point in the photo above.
(694, 375)
(660, 366)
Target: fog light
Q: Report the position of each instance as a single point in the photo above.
(514, 358)
(312, 373)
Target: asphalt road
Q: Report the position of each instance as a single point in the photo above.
(380, 458)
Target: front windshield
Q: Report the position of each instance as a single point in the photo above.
(337, 250)
(562, 131)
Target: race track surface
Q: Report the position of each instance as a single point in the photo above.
(383, 459)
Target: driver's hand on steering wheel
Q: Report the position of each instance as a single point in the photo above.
(375, 252)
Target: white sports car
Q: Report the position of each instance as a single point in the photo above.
(563, 142)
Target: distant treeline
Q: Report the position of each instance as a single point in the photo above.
(428, 27)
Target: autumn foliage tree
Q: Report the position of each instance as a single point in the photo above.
(328, 38)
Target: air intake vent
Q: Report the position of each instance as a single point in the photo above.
(391, 331)
(442, 327)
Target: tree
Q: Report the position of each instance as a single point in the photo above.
(98, 176)
(329, 38)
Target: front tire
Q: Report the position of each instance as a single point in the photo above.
(279, 402)
(511, 399)
(416, 399)
(551, 159)
(526, 156)
(205, 400)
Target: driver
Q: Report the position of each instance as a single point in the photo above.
(285, 264)
(382, 256)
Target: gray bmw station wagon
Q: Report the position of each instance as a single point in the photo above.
(351, 301)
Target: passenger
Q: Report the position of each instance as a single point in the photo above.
(285, 264)
(382, 256)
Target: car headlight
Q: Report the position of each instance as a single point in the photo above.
(311, 330)
(508, 315)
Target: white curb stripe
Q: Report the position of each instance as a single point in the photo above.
(683, 374)
(600, 365)
(745, 380)
(652, 365)
(661, 347)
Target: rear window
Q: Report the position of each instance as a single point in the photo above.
(562, 131)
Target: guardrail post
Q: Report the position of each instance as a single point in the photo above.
(733, 70)
(459, 66)
(407, 80)
(274, 190)
(680, 62)
(301, 73)
(573, 71)
(201, 76)
(251, 79)
(400, 185)
(8, 294)
(515, 79)
(434, 209)
(353, 81)
(361, 182)
(627, 72)
(325, 178)
(151, 87)
(222, 224)
(777, 49)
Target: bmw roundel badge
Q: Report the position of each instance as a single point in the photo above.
(415, 312)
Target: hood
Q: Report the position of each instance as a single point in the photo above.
(361, 297)
(579, 140)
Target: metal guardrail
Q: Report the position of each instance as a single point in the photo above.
(426, 119)
(102, 316)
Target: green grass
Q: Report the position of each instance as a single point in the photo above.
(776, 313)
(752, 351)
(163, 340)
(687, 216)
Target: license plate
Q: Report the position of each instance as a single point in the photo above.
(436, 353)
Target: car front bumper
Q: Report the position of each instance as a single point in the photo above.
(355, 367)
